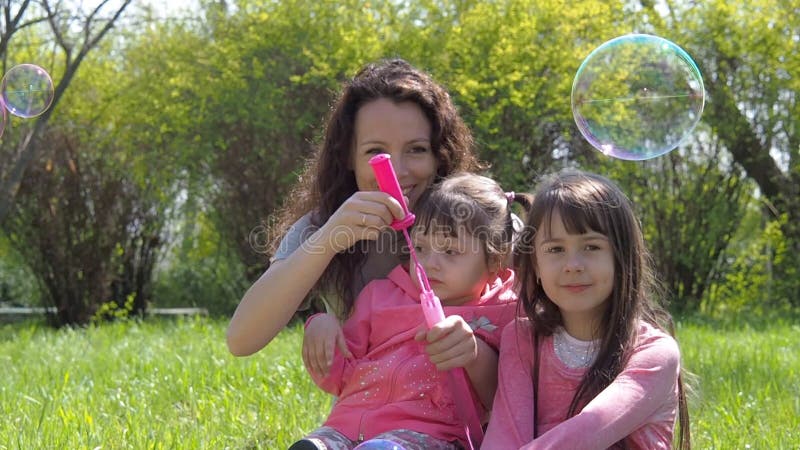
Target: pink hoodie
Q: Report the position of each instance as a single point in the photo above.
(390, 383)
(639, 406)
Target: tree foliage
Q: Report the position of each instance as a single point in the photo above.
(23, 25)
(209, 120)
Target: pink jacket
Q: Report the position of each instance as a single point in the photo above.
(390, 383)
(640, 405)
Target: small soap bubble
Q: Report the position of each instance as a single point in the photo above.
(379, 444)
(27, 90)
(637, 97)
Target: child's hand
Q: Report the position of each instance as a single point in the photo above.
(451, 343)
(322, 333)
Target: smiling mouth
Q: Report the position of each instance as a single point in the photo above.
(577, 287)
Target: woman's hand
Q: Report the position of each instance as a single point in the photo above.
(363, 216)
(323, 333)
(451, 343)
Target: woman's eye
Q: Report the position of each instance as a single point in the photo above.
(375, 151)
(419, 149)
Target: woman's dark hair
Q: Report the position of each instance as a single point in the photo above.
(327, 180)
(584, 202)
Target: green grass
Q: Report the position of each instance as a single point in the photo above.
(151, 385)
(172, 384)
(746, 386)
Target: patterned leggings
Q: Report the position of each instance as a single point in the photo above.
(327, 438)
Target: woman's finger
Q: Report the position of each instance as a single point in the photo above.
(341, 342)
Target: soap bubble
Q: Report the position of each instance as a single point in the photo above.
(27, 90)
(637, 97)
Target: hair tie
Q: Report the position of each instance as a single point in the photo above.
(510, 196)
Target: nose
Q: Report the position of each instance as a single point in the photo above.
(574, 264)
(399, 164)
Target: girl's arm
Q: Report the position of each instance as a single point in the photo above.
(452, 343)
(511, 422)
(482, 373)
(273, 299)
(630, 402)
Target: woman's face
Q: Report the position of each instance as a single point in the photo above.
(402, 131)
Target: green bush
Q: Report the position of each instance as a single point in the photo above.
(761, 282)
(200, 271)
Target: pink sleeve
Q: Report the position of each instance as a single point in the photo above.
(356, 331)
(511, 420)
(627, 404)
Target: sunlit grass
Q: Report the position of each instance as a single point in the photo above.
(173, 384)
(161, 384)
(747, 386)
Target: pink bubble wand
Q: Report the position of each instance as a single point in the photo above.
(431, 305)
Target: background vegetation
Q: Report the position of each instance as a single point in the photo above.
(171, 141)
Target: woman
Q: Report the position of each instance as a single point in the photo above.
(389, 107)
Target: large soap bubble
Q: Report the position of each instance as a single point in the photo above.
(637, 97)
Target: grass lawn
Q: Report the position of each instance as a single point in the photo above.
(172, 384)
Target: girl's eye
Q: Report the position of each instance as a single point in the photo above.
(419, 149)
(592, 247)
(554, 249)
(375, 151)
(450, 252)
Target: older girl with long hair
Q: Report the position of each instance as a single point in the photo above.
(592, 364)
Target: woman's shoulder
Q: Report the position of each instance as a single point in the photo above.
(295, 235)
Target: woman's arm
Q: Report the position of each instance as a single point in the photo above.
(355, 332)
(273, 299)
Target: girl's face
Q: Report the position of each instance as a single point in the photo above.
(456, 266)
(577, 274)
(402, 131)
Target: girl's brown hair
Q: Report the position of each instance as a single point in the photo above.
(327, 181)
(586, 201)
(475, 204)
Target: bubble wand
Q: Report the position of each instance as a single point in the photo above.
(431, 305)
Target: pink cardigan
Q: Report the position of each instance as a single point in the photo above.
(390, 382)
(640, 404)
